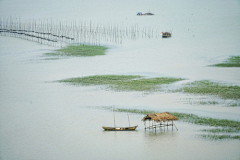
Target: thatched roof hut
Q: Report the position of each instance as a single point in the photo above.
(158, 117)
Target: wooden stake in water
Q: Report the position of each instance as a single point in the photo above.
(114, 117)
(128, 119)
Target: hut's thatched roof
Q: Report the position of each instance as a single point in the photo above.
(166, 116)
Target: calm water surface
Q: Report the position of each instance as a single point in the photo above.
(40, 119)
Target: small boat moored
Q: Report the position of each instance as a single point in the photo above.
(166, 34)
(132, 128)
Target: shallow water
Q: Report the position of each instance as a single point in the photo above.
(40, 119)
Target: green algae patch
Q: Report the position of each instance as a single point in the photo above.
(212, 88)
(80, 50)
(223, 130)
(219, 137)
(213, 122)
(233, 61)
(57, 58)
(122, 82)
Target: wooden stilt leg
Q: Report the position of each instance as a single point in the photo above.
(164, 126)
(175, 126)
(152, 124)
(149, 124)
(155, 126)
(160, 125)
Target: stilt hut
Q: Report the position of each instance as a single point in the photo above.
(159, 120)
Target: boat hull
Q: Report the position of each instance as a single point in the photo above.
(165, 36)
(132, 128)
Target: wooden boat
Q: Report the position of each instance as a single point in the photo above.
(141, 14)
(166, 34)
(132, 128)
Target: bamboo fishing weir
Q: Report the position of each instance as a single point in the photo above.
(158, 120)
(57, 33)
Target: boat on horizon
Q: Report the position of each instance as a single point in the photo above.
(166, 34)
(141, 14)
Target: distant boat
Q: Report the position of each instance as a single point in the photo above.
(140, 13)
(130, 128)
(166, 34)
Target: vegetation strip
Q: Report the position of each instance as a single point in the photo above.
(80, 50)
(223, 125)
(233, 61)
(212, 88)
(122, 82)
(140, 83)
(217, 130)
(219, 137)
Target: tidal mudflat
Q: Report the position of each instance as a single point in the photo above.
(43, 118)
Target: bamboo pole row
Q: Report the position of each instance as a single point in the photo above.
(56, 32)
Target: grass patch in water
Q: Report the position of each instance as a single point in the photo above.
(208, 102)
(219, 137)
(234, 104)
(192, 118)
(233, 61)
(221, 130)
(51, 58)
(80, 50)
(122, 82)
(226, 126)
(212, 88)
